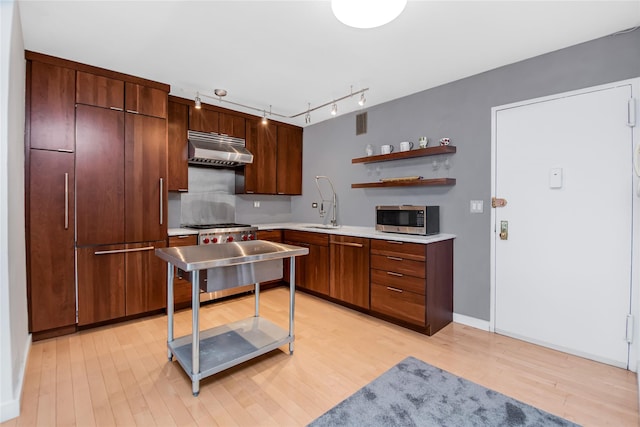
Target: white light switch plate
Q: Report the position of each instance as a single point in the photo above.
(476, 206)
(555, 178)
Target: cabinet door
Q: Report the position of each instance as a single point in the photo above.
(145, 178)
(350, 270)
(232, 125)
(203, 120)
(316, 269)
(52, 289)
(51, 107)
(289, 153)
(101, 283)
(260, 176)
(145, 100)
(178, 124)
(181, 281)
(145, 278)
(99, 176)
(99, 91)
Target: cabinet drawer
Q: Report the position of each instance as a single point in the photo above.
(319, 239)
(400, 304)
(398, 280)
(184, 240)
(413, 251)
(271, 235)
(398, 265)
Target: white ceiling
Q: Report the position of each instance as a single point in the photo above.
(286, 54)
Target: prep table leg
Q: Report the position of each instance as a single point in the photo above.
(195, 325)
(257, 294)
(292, 296)
(169, 309)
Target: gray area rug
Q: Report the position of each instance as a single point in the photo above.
(413, 393)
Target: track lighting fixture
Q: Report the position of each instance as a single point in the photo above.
(362, 100)
(307, 113)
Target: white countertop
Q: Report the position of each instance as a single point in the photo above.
(345, 230)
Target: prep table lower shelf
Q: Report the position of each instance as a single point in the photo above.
(228, 345)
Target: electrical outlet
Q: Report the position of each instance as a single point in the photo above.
(256, 204)
(314, 205)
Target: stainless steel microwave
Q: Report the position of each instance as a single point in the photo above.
(408, 219)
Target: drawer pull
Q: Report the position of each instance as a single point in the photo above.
(389, 288)
(183, 236)
(124, 251)
(391, 273)
(394, 258)
(395, 243)
(354, 245)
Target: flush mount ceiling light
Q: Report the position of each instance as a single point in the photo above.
(367, 13)
(307, 116)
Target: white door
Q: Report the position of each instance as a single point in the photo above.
(562, 277)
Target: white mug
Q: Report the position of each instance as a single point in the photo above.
(386, 149)
(406, 146)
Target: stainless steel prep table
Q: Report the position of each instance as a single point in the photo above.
(205, 353)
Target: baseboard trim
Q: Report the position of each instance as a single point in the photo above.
(471, 321)
(11, 408)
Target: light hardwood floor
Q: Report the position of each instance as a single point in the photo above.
(119, 375)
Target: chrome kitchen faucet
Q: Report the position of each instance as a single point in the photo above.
(334, 221)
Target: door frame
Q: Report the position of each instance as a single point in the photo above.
(634, 354)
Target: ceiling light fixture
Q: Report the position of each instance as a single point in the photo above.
(362, 100)
(367, 13)
(198, 101)
(334, 104)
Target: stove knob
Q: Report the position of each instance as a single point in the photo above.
(230, 239)
(205, 241)
(251, 237)
(244, 237)
(214, 240)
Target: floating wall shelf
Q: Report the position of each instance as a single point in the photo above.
(420, 152)
(415, 182)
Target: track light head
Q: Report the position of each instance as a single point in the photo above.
(334, 109)
(198, 102)
(362, 100)
(264, 118)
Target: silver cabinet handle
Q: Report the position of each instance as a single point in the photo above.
(183, 236)
(395, 243)
(391, 273)
(124, 251)
(389, 288)
(394, 258)
(66, 201)
(161, 194)
(116, 108)
(354, 245)
(183, 190)
(64, 150)
(132, 112)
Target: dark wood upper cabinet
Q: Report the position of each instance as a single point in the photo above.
(99, 91)
(203, 120)
(99, 176)
(145, 100)
(289, 170)
(178, 125)
(260, 176)
(51, 106)
(145, 160)
(52, 289)
(232, 125)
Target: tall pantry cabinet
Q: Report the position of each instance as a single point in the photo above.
(116, 193)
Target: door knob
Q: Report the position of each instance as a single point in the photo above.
(504, 230)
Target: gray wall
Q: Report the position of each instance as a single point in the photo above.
(462, 111)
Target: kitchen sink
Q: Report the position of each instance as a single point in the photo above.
(323, 227)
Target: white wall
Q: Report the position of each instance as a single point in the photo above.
(14, 336)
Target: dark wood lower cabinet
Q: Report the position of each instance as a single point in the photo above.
(181, 281)
(115, 281)
(312, 270)
(101, 283)
(350, 270)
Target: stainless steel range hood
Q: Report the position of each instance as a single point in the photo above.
(212, 149)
